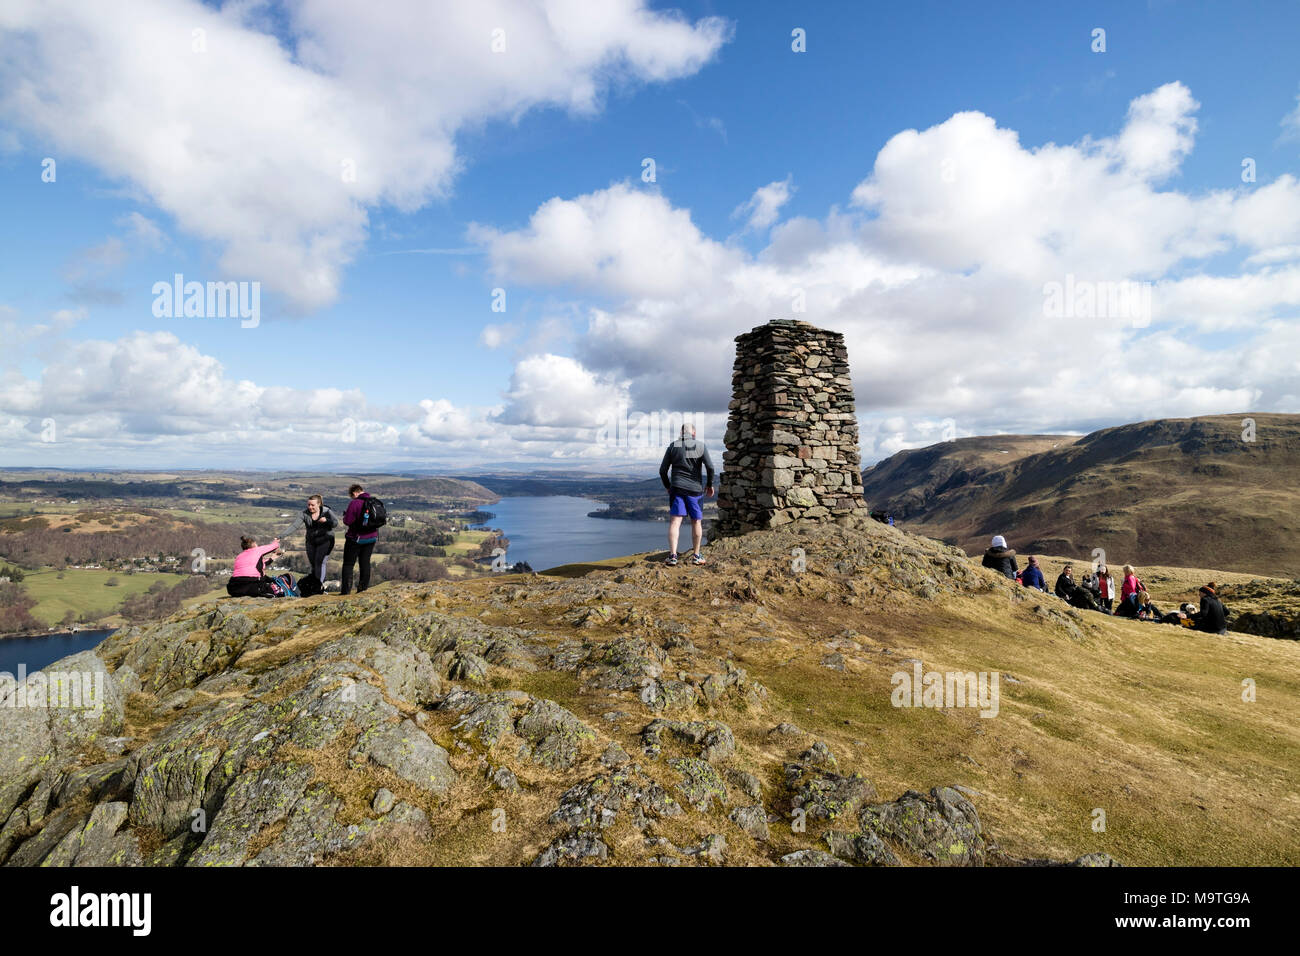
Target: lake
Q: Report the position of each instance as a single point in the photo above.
(44, 649)
(553, 530)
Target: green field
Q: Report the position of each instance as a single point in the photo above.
(83, 591)
(251, 514)
(466, 541)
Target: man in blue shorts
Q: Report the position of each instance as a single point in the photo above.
(687, 458)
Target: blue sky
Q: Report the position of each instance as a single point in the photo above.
(717, 97)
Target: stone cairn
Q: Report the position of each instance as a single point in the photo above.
(792, 436)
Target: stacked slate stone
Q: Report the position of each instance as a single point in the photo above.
(792, 436)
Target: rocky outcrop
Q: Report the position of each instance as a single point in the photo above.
(49, 718)
(940, 827)
(547, 733)
(823, 795)
(1268, 608)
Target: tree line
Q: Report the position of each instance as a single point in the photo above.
(162, 600)
(33, 544)
(15, 609)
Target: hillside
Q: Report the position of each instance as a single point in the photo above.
(1170, 492)
(459, 490)
(628, 713)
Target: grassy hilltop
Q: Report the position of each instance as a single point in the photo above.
(628, 713)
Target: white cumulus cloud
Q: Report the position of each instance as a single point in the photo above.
(275, 150)
(762, 208)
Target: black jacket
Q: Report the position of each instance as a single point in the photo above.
(1064, 586)
(1212, 618)
(1001, 560)
(687, 459)
(318, 534)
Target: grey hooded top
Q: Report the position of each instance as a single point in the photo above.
(687, 458)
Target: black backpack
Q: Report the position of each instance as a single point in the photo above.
(309, 586)
(1081, 598)
(373, 515)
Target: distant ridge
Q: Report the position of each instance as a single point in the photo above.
(1179, 492)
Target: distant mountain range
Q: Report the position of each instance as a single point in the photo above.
(1181, 492)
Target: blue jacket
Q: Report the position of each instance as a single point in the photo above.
(1032, 577)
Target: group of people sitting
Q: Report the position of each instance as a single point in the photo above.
(363, 518)
(1096, 592)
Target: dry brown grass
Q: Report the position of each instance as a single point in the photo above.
(1143, 721)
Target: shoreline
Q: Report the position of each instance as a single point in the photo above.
(56, 632)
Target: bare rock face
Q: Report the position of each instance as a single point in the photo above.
(51, 715)
(941, 827)
(792, 437)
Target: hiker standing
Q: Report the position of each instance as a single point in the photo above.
(319, 522)
(1212, 617)
(686, 457)
(359, 542)
(1001, 558)
(1105, 590)
(247, 578)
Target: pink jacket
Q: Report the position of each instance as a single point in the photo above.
(248, 564)
(1131, 586)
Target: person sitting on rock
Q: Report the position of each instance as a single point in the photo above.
(1001, 558)
(1032, 576)
(247, 578)
(1212, 618)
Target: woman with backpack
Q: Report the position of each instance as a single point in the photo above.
(248, 579)
(319, 522)
(359, 543)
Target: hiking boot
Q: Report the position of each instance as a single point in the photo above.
(697, 558)
(671, 560)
